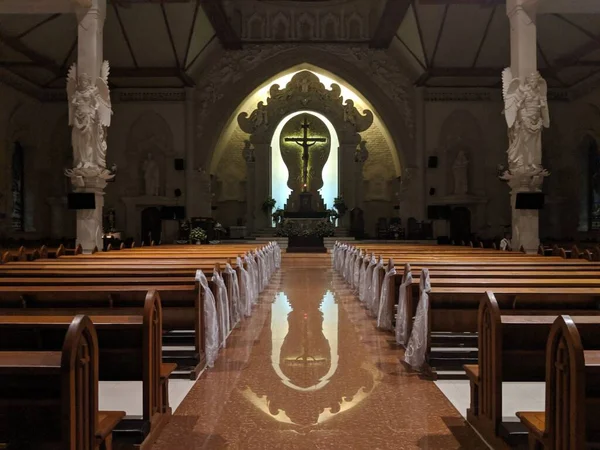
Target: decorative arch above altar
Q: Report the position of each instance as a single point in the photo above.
(305, 92)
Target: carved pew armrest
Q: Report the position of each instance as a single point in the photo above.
(472, 371)
(535, 422)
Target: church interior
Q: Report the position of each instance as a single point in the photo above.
(299, 224)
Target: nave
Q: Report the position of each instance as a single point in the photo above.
(310, 370)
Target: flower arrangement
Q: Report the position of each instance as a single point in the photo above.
(268, 204)
(197, 235)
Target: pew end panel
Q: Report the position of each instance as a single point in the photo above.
(55, 393)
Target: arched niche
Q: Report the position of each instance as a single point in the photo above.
(149, 134)
(303, 93)
(461, 132)
(233, 80)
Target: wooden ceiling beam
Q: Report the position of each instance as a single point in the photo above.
(40, 60)
(215, 12)
(392, 16)
(42, 6)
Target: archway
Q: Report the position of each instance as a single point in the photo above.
(304, 92)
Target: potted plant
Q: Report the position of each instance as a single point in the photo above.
(268, 205)
(197, 235)
(340, 205)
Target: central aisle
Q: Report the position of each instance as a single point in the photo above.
(309, 370)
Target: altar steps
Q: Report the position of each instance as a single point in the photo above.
(283, 241)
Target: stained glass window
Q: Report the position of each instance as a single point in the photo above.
(18, 185)
(594, 186)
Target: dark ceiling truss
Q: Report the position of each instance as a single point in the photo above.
(59, 71)
(484, 37)
(215, 12)
(393, 14)
(551, 71)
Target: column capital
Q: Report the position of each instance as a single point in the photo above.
(527, 6)
(89, 179)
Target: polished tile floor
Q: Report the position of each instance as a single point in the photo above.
(309, 370)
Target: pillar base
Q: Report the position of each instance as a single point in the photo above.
(89, 221)
(525, 222)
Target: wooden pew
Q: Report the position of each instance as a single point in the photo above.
(55, 393)
(129, 350)
(570, 421)
(512, 347)
(182, 308)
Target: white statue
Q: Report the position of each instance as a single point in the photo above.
(526, 112)
(151, 176)
(461, 174)
(90, 112)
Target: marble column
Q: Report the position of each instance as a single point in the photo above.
(526, 110)
(90, 175)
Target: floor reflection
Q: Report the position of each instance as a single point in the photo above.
(306, 386)
(309, 370)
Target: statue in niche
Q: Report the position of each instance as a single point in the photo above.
(362, 154)
(248, 152)
(461, 174)
(526, 112)
(151, 176)
(90, 113)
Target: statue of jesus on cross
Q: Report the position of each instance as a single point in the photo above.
(305, 142)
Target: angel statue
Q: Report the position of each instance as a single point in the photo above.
(90, 112)
(526, 112)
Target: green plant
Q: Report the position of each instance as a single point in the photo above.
(268, 204)
(278, 215)
(197, 235)
(332, 215)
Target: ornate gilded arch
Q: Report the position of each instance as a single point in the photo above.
(305, 92)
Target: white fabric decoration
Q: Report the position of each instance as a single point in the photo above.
(236, 301)
(211, 326)
(417, 345)
(401, 330)
(384, 318)
(222, 301)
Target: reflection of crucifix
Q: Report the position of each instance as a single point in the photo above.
(306, 143)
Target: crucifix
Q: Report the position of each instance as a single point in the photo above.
(305, 142)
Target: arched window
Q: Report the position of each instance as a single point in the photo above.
(18, 187)
(593, 185)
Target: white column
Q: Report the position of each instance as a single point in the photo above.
(526, 111)
(90, 175)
